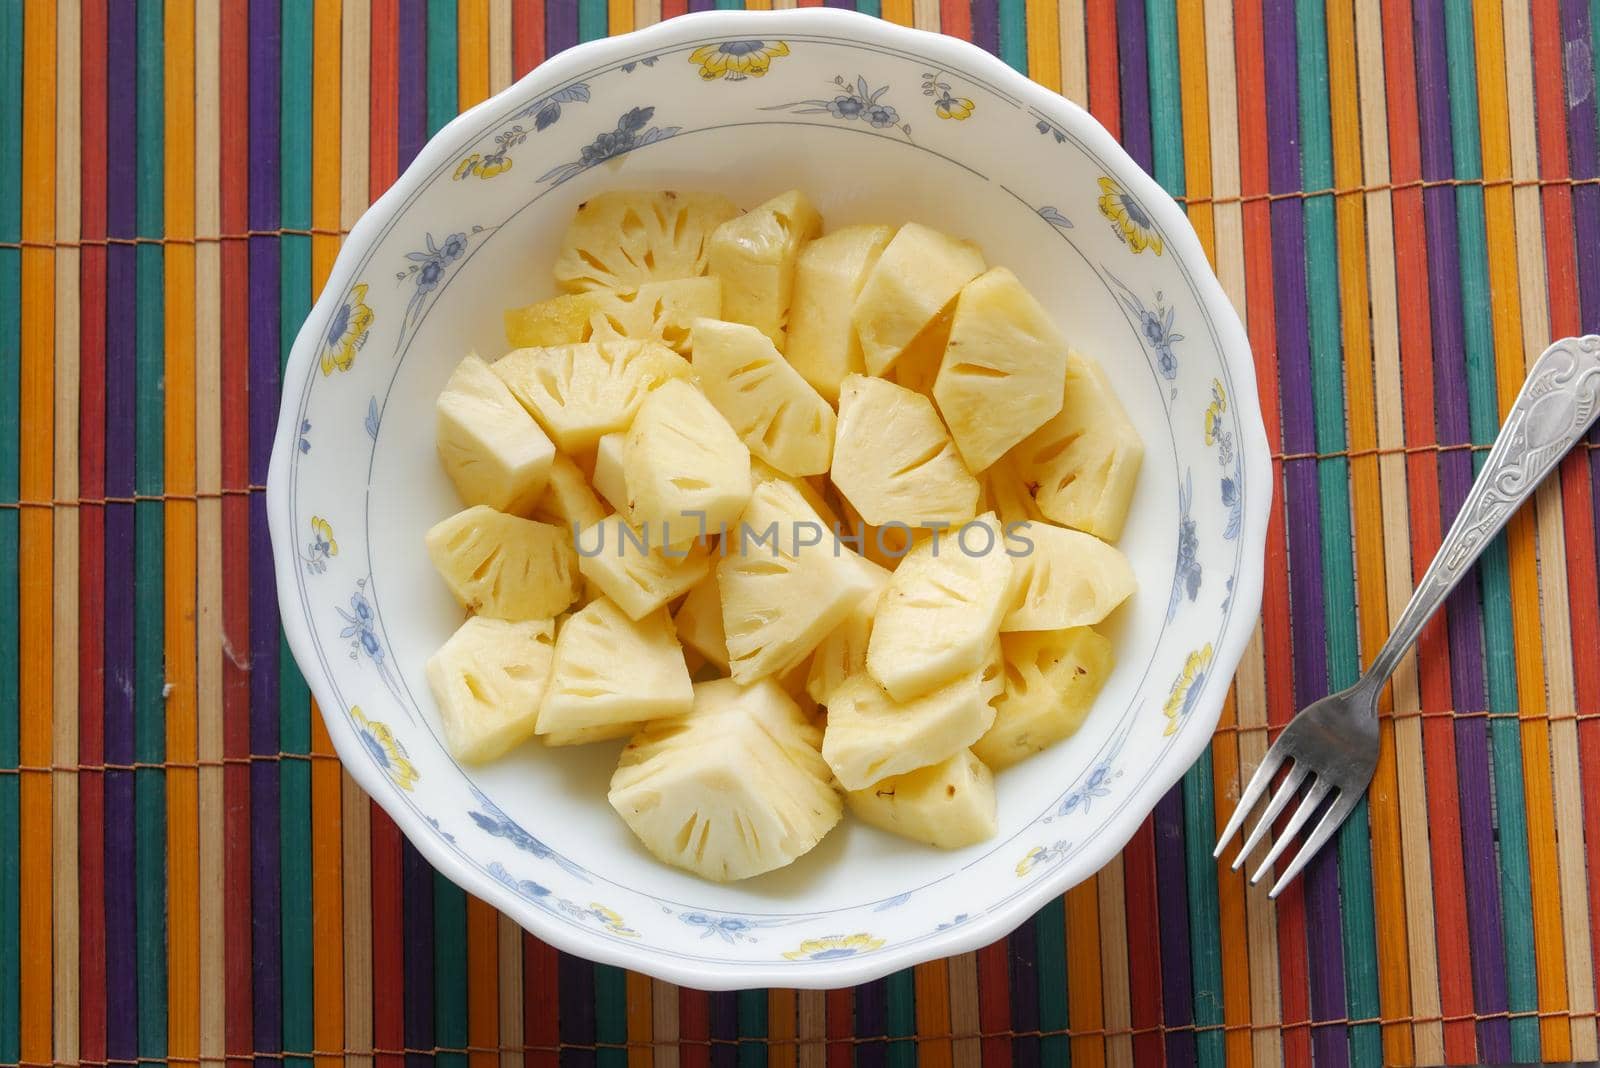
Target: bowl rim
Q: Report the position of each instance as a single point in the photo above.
(1255, 458)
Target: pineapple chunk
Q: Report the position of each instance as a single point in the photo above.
(657, 311)
(1052, 679)
(772, 409)
(1085, 460)
(567, 500)
(844, 651)
(782, 595)
(490, 446)
(699, 622)
(822, 343)
(489, 679)
(917, 369)
(812, 489)
(941, 610)
(754, 255)
(1004, 368)
(610, 669)
(871, 736)
(622, 240)
(608, 479)
(885, 546)
(580, 393)
(731, 790)
(589, 735)
(633, 571)
(504, 567)
(893, 460)
(948, 805)
(1067, 579)
(1008, 495)
(919, 273)
(687, 471)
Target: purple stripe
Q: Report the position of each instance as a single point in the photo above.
(701, 5)
(413, 56)
(416, 925)
(560, 25)
(1172, 900)
(986, 25)
(724, 1030)
(1022, 950)
(1324, 929)
(1585, 163)
(122, 971)
(1464, 615)
(575, 1011)
(1135, 81)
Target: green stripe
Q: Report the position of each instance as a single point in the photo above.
(592, 19)
(149, 729)
(10, 444)
(443, 54)
(1014, 34)
(1200, 875)
(1050, 936)
(1338, 567)
(449, 971)
(610, 1016)
(902, 1019)
(294, 697)
(730, 5)
(869, 7)
(752, 1024)
(1499, 643)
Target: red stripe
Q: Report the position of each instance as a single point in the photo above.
(694, 1028)
(388, 942)
(994, 1004)
(955, 18)
(1144, 945)
(1105, 95)
(541, 998)
(383, 144)
(841, 1027)
(527, 35)
(674, 8)
(91, 539)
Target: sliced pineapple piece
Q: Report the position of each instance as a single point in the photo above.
(919, 272)
(589, 735)
(893, 460)
(608, 479)
(885, 546)
(622, 240)
(949, 805)
(1009, 495)
(941, 610)
(657, 311)
(731, 790)
(917, 369)
(699, 622)
(490, 446)
(488, 680)
(871, 736)
(843, 652)
(1004, 368)
(1051, 681)
(1065, 579)
(580, 393)
(772, 409)
(687, 471)
(634, 571)
(822, 343)
(1084, 462)
(505, 567)
(568, 501)
(754, 255)
(610, 669)
(783, 593)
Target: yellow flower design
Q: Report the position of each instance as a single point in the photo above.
(1218, 405)
(833, 947)
(737, 60)
(953, 107)
(348, 331)
(1025, 865)
(322, 530)
(385, 748)
(1133, 226)
(612, 920)
(493, 165)
(1186, 687)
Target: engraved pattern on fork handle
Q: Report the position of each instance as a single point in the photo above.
(1559, 400)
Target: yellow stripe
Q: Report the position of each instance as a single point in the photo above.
(619, 15)
(472, 53)
(1044, 42)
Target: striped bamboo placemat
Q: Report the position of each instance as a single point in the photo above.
(1402, 200)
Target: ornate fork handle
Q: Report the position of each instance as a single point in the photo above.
(1558, 402)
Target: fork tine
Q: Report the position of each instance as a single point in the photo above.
(1319, 790)
(1252, 793)
(1331, 821)
(1280, 801)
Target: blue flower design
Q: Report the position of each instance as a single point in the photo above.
(1098, 784)
(1187, 574)
(544, 112)
(493, 821)
(1155, 327)
(305, 429)
(1054, 217)
(359, 628)
(851, 101)
(633, 130)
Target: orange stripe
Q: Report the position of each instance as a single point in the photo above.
(1044, 43)
(472, 53)
(35, 559)
(1084, 999)
(900, 13)
(932, 981)
(483, 984)
(641, 1023)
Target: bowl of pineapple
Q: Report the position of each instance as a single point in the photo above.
(770, 499)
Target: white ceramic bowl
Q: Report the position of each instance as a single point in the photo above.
(876, 123)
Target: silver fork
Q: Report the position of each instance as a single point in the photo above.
(1332, 745)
